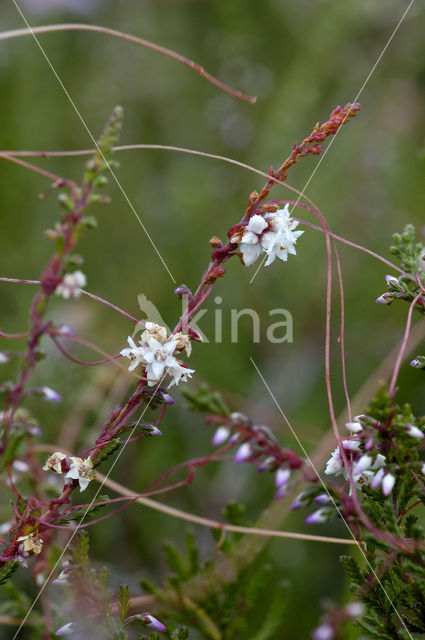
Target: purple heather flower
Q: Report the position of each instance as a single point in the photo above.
(384, 299)
(50, 394)
(66, 630)
(388, 483)
(391, 280)
(244, 452)
(322, 499)
(362, 464)
(152, 430)
(153, 623)
(281, 492)
(299, 501)
(317, 517)
(220, 436)
(267, 464)
(282, 476)
(167, 398)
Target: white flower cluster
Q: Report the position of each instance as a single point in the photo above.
(274, 234)
(157, 354)
(71, 285)
(78, 469)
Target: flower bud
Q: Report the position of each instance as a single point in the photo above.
(49, 394)
(362, 464)
(153, 623)
(322, 499)
(244, 452)
(66, 630)
(282, 476)
(221, 436)
(377, 479)
(354, 427)
(414, 432)
(317, 517)
(300, 501)
(386, 298)
(388, 483)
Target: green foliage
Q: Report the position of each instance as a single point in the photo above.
(107, 450)
(407, 250)
(205, 401)
(85, 512)
(123, 601)
(7, 570)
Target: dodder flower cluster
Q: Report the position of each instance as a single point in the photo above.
(273, 234)
(157, 354)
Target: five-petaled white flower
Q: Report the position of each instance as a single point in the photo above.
(81, 470)
(157, 353)
(54, 462)
(71, 285)
(274, 234)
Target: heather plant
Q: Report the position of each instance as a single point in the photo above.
(373, 481)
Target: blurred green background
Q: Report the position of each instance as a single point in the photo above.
(301, 60)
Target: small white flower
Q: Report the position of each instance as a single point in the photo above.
(354, 427)
(351, 445)
(179, 373)
(31, 544)
(133, 353)
(156, 353)
(221, 436)
(81, 470)
(423, 469)
(54, 462)
(153, 330)
(335, 464)
(71, 285)
(158, 357)
(183, 342)
(244, 452)
(388, 483)
(414, 432)
(4, 357)
(278, 241)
